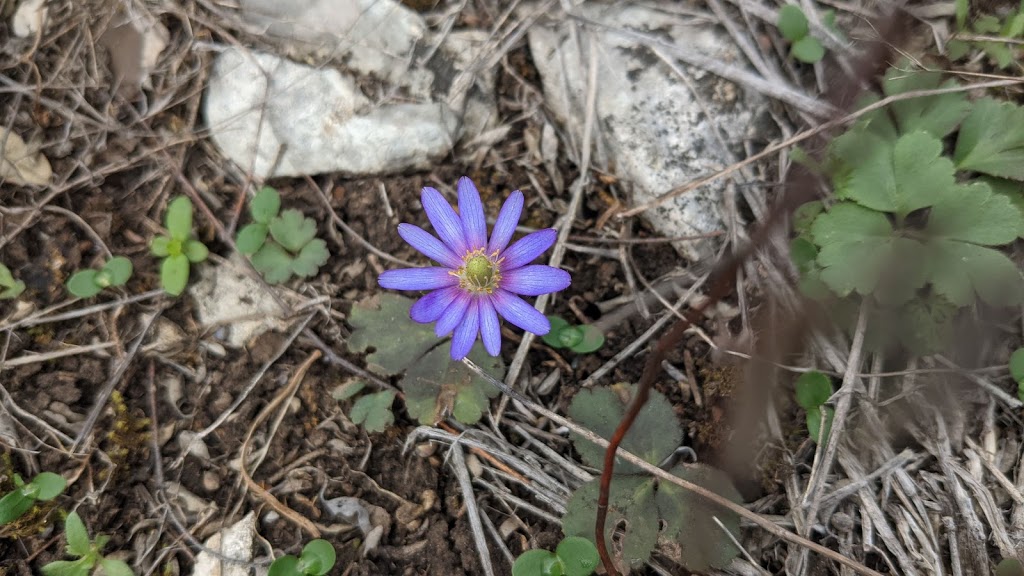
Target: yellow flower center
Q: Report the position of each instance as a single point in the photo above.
(479, 272)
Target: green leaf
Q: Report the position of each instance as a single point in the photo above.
(1009, 567)
(373, 411)
(195, 251)
(937, 115)
(962, 8)
(553, 337)
(536, 563)
(702, 545)
(309, 260)
(961, 270)
(591, 341)
(348, 389)
(631, 500)
(82, 284)
(998, 52)
(66, 568)
(119, 270)
(112, 567)
(160, 246)
(570, 336)
(6, 278)
(957, 49)
(974, 214)
(12, 292)
(251, 238)
(1017, 364)
(285, 566)
(578, 556)
(812, 390)
(654, 435)
(174, 274)
(179, 218)
(878, 121)
(1012, 190)
(792, 23)
(382, 322)
(807, 49)
(317, 557)
(76, 535)
(804, 254)
(273, 262)
(265, 205)
(292, 230)
(925, 324)
(805, 215)
(1014, 27)
(13, 505)
(991, 140)
(987, 24)
(814, 423)
(898, 178)
(49, 485)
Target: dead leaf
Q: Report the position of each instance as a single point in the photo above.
(134, 46)
(21, 163)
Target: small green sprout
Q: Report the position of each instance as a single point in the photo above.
(88, 283)
(88, 553)
(813, 389)
(45, 486)
(581, 339)
(793, 26)
(372, 411)
(9, 287)
(1002, 51)
(317, 559)
(574, 556)
(179, 250)
(292, 246)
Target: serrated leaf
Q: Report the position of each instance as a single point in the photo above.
(83, 284)
(76, 535)
(807, 49)
(49, 485)
(630, 501)
(972, 213)
(822, 415)
(1017, 365)
(937, 115)
(265, 205)
(318, 557)
(373, 411)
(195, 251)
(925, 325)
(113, 567)
(251, 238)
(878, 121)
(654, 435)
(174, 274)
(961, 270)
(348, 389)
(309, 260)
(962, 8)
(1012, 190)
(535, 563)
(292, 230)
(804, 216)
(578, 556)
(792, 23)
(179, 218)
(991, 140)
(119, 270)
(273, 262)
(957, 49)
(375, 323)
(998, 52)
(6, 278)
(812, 390)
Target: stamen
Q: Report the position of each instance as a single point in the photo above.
(479, 272)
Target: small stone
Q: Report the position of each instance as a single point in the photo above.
(211, 481)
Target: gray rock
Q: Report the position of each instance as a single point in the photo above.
(653, 132)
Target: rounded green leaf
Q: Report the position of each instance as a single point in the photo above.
(273, 262)
(812, 390)
(578, 556)
(13, 505)
(112, 567)
(373, 411)
(265, 205)
(592, 339)
(570, 336)
(83, 283)
(553, 337)
(251, 238)
(160, 246)
(1017, 364)
(6, 278)
(792, 23)
(1009, 567)
(317, 558)
(174, 274)
(118, 269)
(50, 485)
(815, 418)
(179, 218)
(807, 49)
(536, 563)
(76, 535)
(284, 566)
(195, 251)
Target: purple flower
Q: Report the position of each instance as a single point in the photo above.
(478, 278)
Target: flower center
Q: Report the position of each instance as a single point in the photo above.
(479, 272)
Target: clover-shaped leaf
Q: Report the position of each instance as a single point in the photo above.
(581, 339)
(274, 262)
(433, 384)
(807, 49)
(812, 390)
(537, 563)
(312, 256)
(317, 558)
(251, 237)
(292, 230)
(654, 435)
(265, 205)
(373, 411)
(991, 140)
(83, 283)
(88, 283)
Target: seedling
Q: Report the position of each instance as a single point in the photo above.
(88, 552)
(372, 411)
(45, 486)
(317, 559)
(88, 283)
(794, 27)
(9, 287)
(179, 249)
(581, 339)
(281, 245)
(813, 389)
(574, 556)
(1002, 53)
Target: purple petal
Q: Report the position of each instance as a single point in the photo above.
(471, 211)
(453, 314)
(505, 225)
(518, 312)
(535, 280)
(490, 327)
(428, 245)
(465, 333)
(417, 279)
(429, 308)
(524, 250)
(444, 219)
